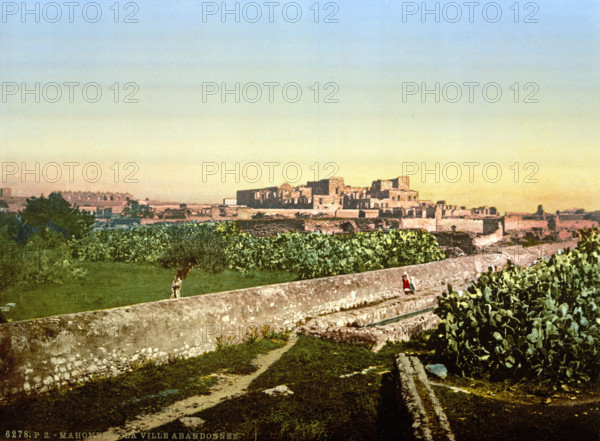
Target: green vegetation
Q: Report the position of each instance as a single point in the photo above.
(308, 255)
(136, 211)
(56, 212)
(146, 244)
(200, 249)
(340, 392)
(539, 322)
(321, 255)
(108, 402)
(44, 259)
(510, 410)
(34, 244)
(109, 285)
(477, 418)
(118, 262)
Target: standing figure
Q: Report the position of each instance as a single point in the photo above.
(407, 285)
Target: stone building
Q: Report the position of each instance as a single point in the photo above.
(5, 193)
(387, 197)
(96, 199)
(284, 196)
(333, 194)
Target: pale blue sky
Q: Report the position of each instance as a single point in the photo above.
(370, 53)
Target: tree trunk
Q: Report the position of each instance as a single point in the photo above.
(179, 278)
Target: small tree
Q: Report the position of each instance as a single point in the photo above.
(203, 249)
(135, 210)
(58, 214)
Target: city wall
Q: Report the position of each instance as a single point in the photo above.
(273, 227)
(469, 225)
(577, 224)
(519, 224)
(44, 354)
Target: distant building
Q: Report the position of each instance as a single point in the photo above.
(332, 194)
(5, 193)
(96, 199)
(230, 202)
(388, 197)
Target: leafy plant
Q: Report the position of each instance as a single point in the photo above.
(203, 249)
(320, 255)
(47, 259)
(309, 255)
(58, 214)
(539, 321)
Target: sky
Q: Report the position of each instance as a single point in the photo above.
(495, 103)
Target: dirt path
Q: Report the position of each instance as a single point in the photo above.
(228, 387)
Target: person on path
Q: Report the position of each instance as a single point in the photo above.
(407, 285)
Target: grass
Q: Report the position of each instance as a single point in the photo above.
(476, 418)
(107, 402)
(481, 409)
(110, 285)
(332, 400)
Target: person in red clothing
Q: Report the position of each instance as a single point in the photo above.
(407, 285)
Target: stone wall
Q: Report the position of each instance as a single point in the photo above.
(517, 223)
(39, 355)
(419, 223)
(456, 239)
(576, 224)
(468, 225)
(491, 225)
(489, 239)
(262, 228)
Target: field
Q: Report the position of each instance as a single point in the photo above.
(114, 284)
(340, 392)
(105, 402)
(107, 269)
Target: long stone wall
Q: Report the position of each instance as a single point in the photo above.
(577, 224)
(39, 355)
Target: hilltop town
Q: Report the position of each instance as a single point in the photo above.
(387, 203)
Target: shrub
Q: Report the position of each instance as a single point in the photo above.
(47, 259)
(11, 263)
(540, 321)
(308, 255)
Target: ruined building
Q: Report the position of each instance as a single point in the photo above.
(96, 199)
(333, 194)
